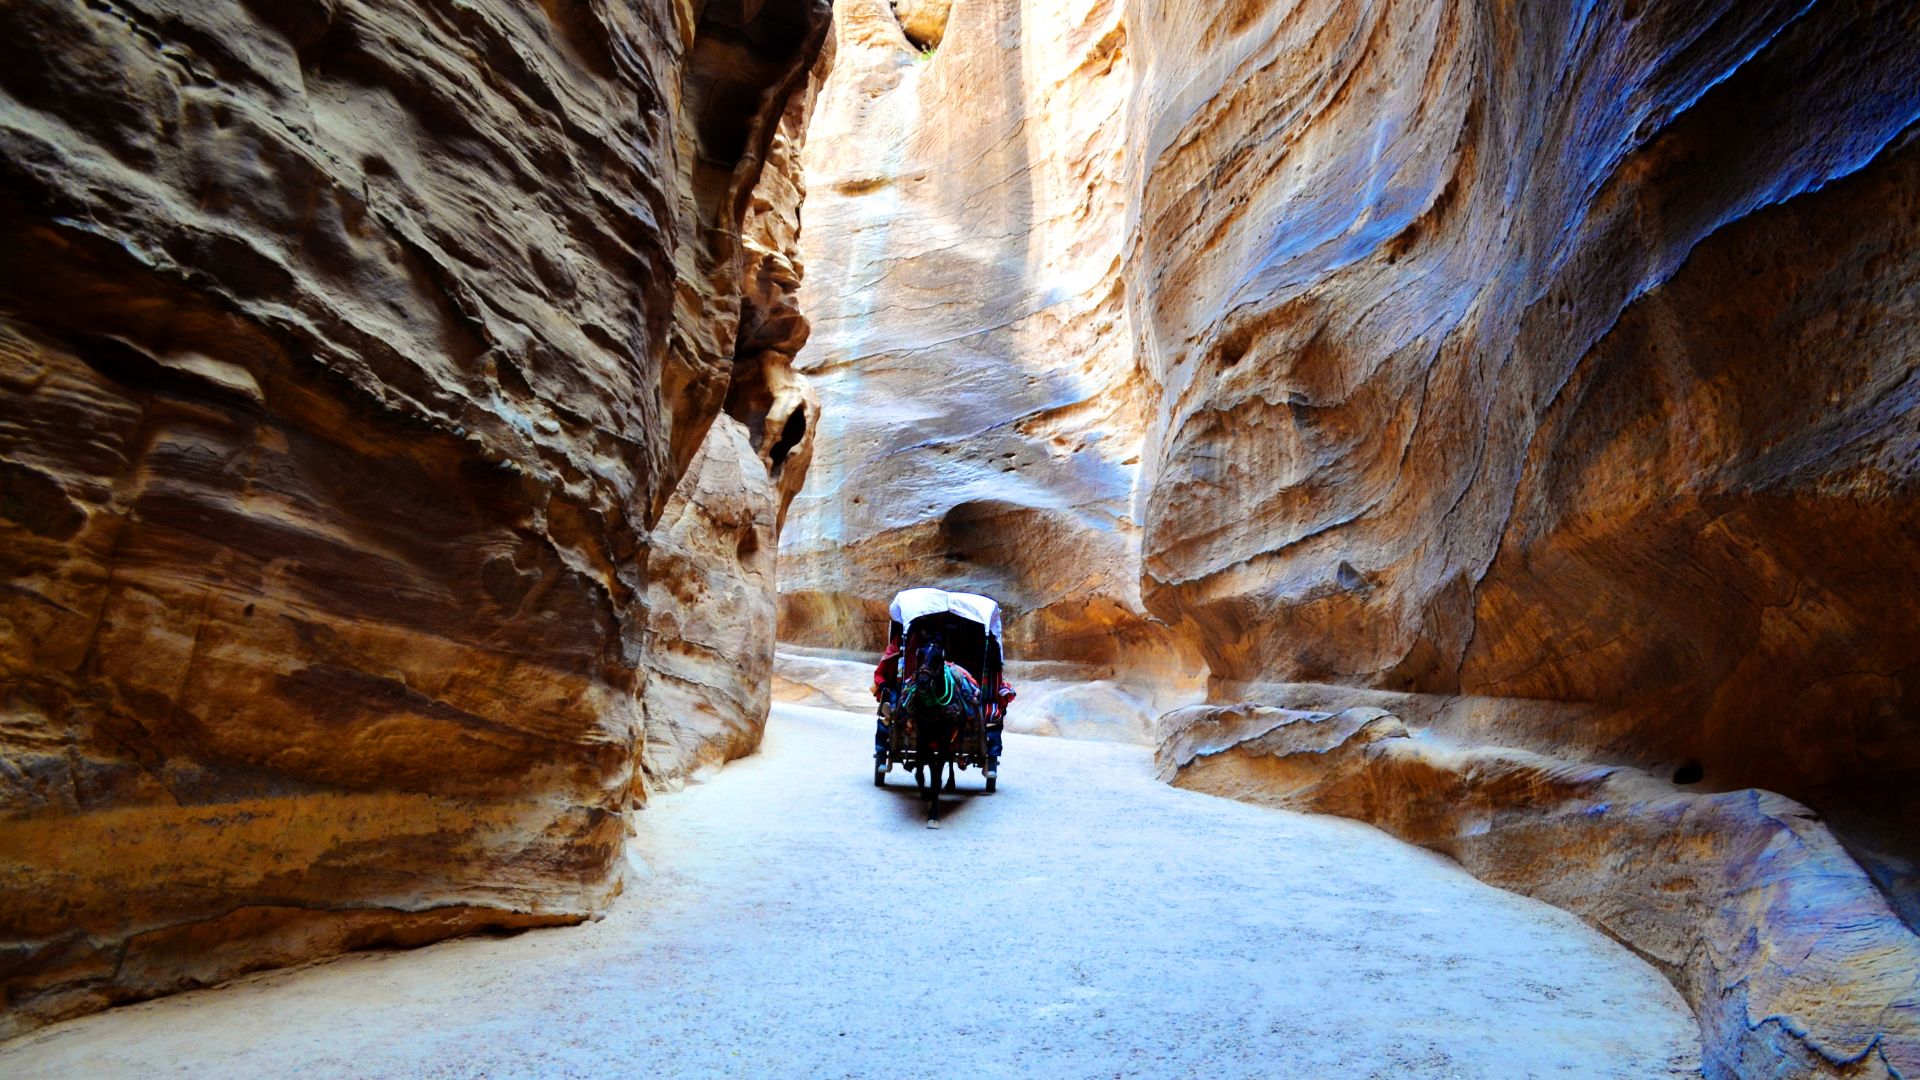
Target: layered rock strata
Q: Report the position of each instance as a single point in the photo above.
(710, 619)
(349, 354)
(710, 591)
(1793, 961)
(983, 412)
(1569, 355)
(1564, 357)
(1553, 369)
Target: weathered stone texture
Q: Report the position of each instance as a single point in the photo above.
(1540, 356)
(1537, 355)
(710, 589)
(711, 613)
(1791, 958)
(1554, 364)
(982, 409)
(348, 352)
(1415, 346)
(923, 21)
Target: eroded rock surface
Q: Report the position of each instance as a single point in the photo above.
(1405, 347)
(710, 591)
(1556, 366)
(923, 21)
(1792, 959)
(711, 612)
(983, 414)
(349, 352)
(1567, 356)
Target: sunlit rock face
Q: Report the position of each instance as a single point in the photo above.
(710, 587)
(710, 613)
(1564, 352)
(1551, 369)
(1565, 356)
(349, 353)
(923, 21)
(982, 411)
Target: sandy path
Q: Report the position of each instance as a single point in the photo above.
(1085, 921)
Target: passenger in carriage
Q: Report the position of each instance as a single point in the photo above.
(886, 676)
(997, 715)
(886, 690)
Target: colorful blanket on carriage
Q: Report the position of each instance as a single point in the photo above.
(957, 691)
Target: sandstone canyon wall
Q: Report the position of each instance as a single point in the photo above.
(710, 613)
(1259, 361)
(983, 411)
(1545, 373)
(1566, 356)
(1561, 372)
(350, 354)
(711, 599)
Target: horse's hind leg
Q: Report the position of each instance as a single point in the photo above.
(933, 794)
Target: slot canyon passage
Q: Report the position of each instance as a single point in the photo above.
(1448, 470)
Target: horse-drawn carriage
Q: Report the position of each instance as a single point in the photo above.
(932, 720)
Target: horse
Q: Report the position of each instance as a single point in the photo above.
(939, 702)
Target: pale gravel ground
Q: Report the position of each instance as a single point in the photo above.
(1086, 921)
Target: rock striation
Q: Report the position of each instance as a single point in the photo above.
(350, 355)
(983, 411)
(710, 617)
(1328, 354)
(1548, 358)
(1553, 372)
(710, 590)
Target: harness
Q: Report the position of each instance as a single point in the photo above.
(947, 688)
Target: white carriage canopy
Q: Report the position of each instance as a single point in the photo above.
(911, 604)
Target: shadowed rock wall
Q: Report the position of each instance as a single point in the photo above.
(710, 590)
(349, 353)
